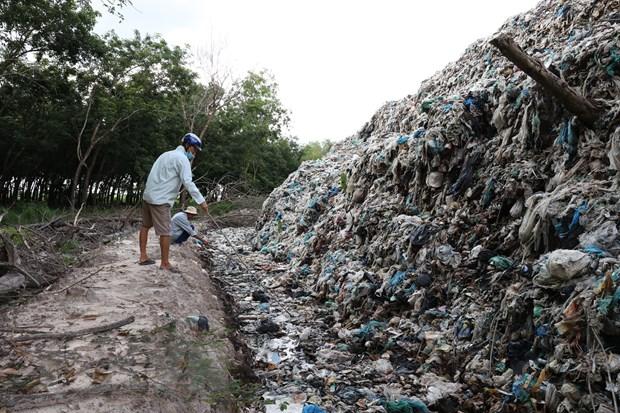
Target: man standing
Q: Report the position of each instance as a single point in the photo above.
(182, 229)
(169, 171)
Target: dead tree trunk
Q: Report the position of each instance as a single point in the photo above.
(581, 107)
(85, 190)
(82, 158)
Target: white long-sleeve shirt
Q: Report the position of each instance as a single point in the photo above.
(180, 224)
(171, 170)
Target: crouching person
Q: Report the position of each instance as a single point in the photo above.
(182, 229)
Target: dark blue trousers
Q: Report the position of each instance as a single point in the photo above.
(183, 237)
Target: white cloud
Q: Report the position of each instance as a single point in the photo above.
(336, 61)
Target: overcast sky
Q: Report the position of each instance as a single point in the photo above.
(336, 62)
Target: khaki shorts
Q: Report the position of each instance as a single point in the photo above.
(157, 216)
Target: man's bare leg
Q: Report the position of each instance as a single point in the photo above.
(164, 244)
(144, 236)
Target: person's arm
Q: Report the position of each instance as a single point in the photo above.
(186, 178)
(201, 238)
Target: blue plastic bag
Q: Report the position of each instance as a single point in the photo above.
(312, 408)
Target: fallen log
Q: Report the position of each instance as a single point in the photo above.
(78, 333)
(578, 105)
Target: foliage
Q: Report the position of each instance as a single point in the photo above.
(315, 150)
(56, 29)
(69, 246)
(24, 213)
(245, 141)
(83, 117)
(14, 234)
(343, 182)
(221, 208)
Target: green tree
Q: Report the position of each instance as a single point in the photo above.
(246, 141)
(56, 29)
(142, 74)
(83, 117)
(315, 150)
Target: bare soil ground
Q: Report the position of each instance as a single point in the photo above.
(51, 360)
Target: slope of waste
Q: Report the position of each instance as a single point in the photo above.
(463, 247)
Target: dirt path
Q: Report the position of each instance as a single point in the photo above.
(156, 363)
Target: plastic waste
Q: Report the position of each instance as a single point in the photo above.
(383, 366)
(198, 322)
(413, 201)
(501, 262)
(267, 326)
(603, 237)
(406, 406)
(311, 408)
(561, 266)
(260, 296)
(447, 255)
(522, 387)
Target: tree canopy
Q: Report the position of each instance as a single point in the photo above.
(315, 150)
(83, 116)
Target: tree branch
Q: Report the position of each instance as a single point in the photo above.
(90, 103)
(73, 334)
(581, 107)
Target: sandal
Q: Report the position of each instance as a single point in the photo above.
(173, 270)
(147, 262)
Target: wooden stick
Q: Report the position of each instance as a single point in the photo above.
(78, 281)
(78, 333)
(77, 216)
(581, 107)
(50, 223)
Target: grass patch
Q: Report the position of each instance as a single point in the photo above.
(24, 213)
(221, 208)
(69, 247)
(14, 235)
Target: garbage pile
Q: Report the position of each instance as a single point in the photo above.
(466, 239)
(302, 365)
